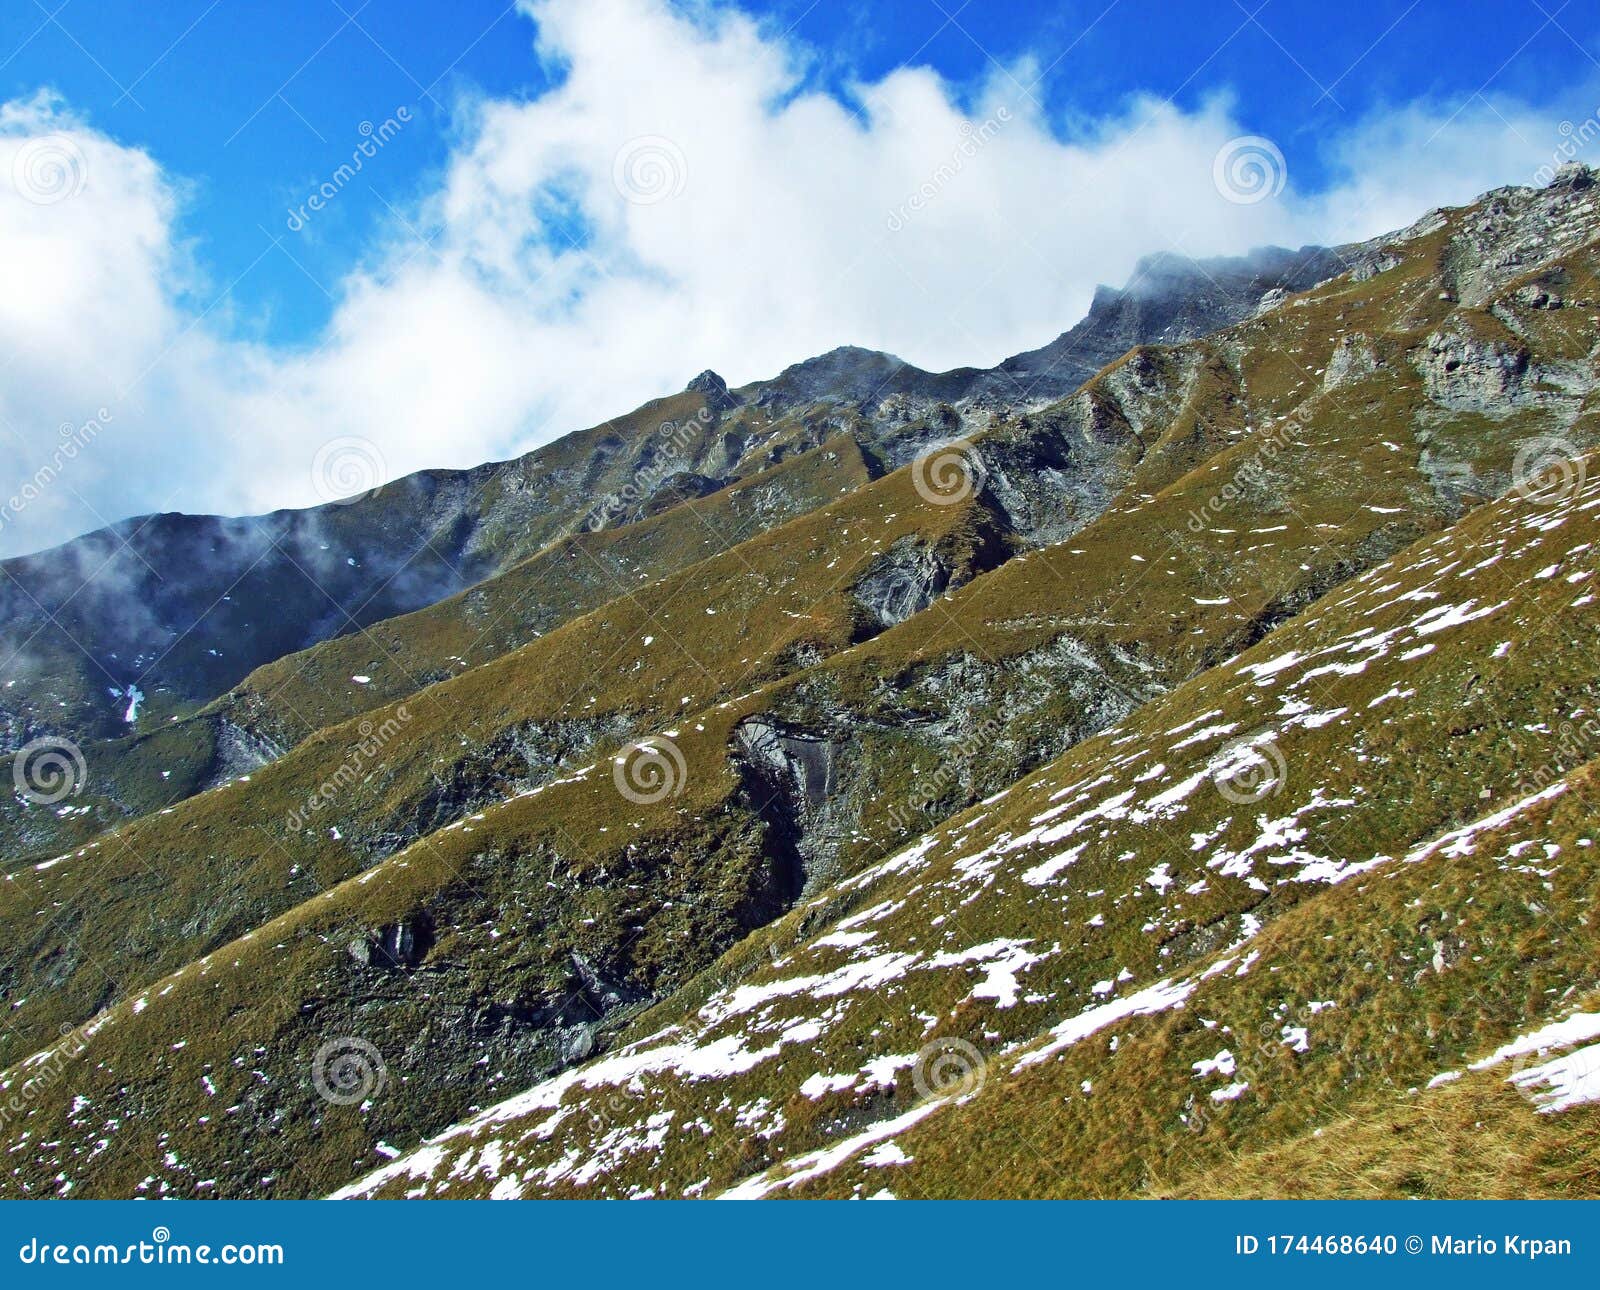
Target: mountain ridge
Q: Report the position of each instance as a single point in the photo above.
(189, 589)
(926, 766)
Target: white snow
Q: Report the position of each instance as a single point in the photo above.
(1152, 999)
(1576, 1029)
(1565, 1082)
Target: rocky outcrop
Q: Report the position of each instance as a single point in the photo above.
(715, 389)
(1465, 370)
(399, 946)
(789, 775)
(239, 751)
(1169, 298)
(903, 581)
(1354, 358)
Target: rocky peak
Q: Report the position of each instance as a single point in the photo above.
(1169, 298)
(1573, 176)
(718, 396)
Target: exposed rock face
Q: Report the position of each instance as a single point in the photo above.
(715, 389)
(516, 760)
(239, 751)
(904, 581)
(1469, 372)
(1354, 358)
(790, 774)
(398, 946)
(1169, 298)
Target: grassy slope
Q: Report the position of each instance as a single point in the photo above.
(288, 699)
(306, 692)
(1342, 488)
(1124, 873)
(173, 885)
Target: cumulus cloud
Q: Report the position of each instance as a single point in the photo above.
(685, 196)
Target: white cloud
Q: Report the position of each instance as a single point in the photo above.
(727, 213)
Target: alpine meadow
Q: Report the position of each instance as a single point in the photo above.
(1163, 763)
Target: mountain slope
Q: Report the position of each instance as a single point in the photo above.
(1309, 875)
(184, 607)
(224, 861)
(282, 702)
(496, 892)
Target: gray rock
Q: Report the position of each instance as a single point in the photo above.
(903, 581)
(718, 396)
(1468, 372)
(1354, 358)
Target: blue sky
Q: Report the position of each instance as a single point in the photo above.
(251, 103)
(565, 207)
